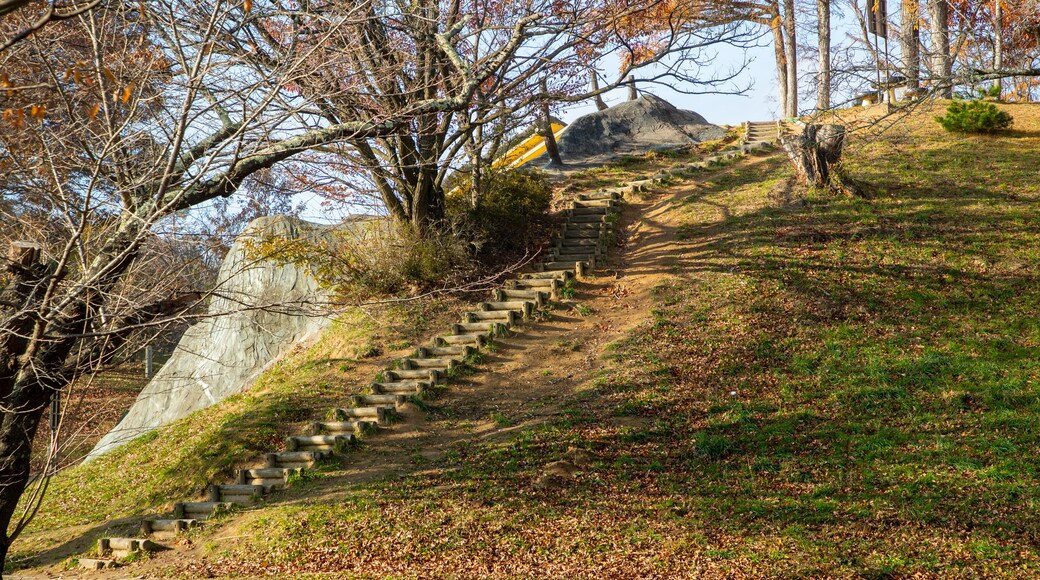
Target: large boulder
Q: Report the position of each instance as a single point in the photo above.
(645, 124)
(258, 312)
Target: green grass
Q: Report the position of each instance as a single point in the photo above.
(830, 387)
(824, 387)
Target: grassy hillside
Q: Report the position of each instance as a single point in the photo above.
(775, 383)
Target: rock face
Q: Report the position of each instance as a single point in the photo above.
(638, 126)
(223, 354)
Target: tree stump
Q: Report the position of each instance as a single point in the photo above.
(815, 152)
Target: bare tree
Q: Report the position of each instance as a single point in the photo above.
(940, 60)
(823, 23)
(910, 42)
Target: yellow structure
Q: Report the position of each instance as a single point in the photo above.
(528, 149)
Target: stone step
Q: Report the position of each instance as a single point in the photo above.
(489, 328)
(583, 226)
(355, 428)
(379, 414)
(641, 185)
(538, 297)
(523, 308)
(596, 195)
(579, 268)
(548, 284)
(587, 219)
(457, 352)
(271, 477)
(443, 364)
(586, 242)
(293, 459)
(198, 510)
(563, 277)
(508, 317)
(401, 387)
(330, 443)
(588, 211)
(610, 203)
(589, 257)
(123, 547)
(167, 526)
(389, 400)
(475, 339)
(97, 563)
(583, 234)
(238, 494)
(431, 375)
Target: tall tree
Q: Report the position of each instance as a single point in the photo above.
(940, 61)
(910, 42)
(791, 56)
(823, 25)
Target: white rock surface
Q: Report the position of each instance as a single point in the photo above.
(260, 311)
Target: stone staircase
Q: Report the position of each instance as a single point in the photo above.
(578, 249)
(580, 246)
(766, 134)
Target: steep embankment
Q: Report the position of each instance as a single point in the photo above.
(259, 309)
(766, 382)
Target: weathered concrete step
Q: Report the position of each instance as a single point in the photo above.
(457, 352)
(97, 563)
(588, 211)
(587, 219)
(385, 399)
(587, 242)
(170, 526)
(509, 317)
(609, 204)
(563, 277)
(583, 226)
(199, 510)
(432, 375)
(355, 428)
(475, 339)
(271, 477)
(293, 459)
(587, 257)
(238, 494)
(489, 328)
(330, 443)
(579, 268)
(377, 413)
(551, 285)
(523, 308)
(538, 297)
(123, 547)
(593, 236)
(596, 195)
(429, 363)
(401, 387)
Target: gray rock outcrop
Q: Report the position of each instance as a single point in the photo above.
(259, 311)
(645, 124)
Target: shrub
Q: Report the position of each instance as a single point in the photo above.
(974, 117)
(507, 215)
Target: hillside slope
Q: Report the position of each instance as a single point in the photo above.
(767, 382)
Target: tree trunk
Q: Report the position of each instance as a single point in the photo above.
(910, 42)
(594, 85)
(815, 152)
(823, 87)
(998, 40)
(791, 55)
(633, 94)
(550, 139)
(781, 56)
(941, 64)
